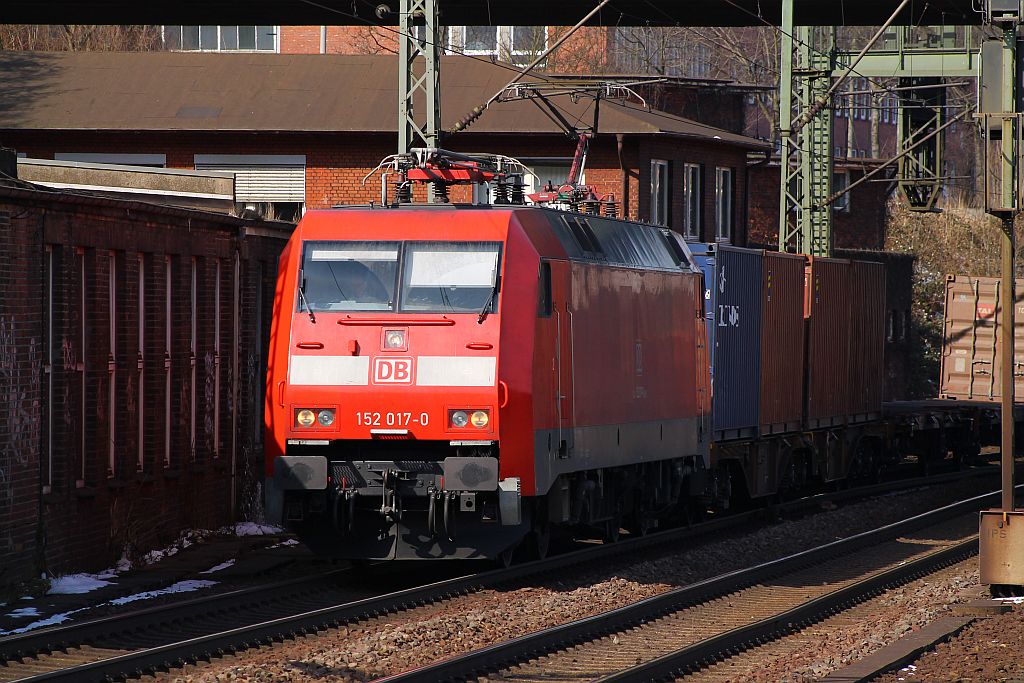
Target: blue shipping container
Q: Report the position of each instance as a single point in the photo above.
(704, 255)
(734, 305)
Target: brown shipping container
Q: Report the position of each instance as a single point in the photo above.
(867, 340)
(782, 343)
(827, 312)
(972, 340)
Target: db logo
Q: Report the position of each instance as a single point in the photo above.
(392, 371)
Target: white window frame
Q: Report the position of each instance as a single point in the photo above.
(511, 41)
(276, 48)
(660, 192)
(497, 41)
(692, 200)
(842, 203)
(724, 203)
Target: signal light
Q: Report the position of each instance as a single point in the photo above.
(462, 419)
(305, 418)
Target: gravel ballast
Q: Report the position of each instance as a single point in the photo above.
(395, 643)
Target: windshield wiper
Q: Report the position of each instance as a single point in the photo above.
(490, 300)
(302, 297)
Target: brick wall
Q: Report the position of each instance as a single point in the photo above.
(337, 163)
(78, 485)
(862, 227)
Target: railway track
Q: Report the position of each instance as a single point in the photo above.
(683, 630)
(175, 634)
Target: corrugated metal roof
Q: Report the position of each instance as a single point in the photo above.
(176, 91)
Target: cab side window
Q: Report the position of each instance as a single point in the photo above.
(544, 291)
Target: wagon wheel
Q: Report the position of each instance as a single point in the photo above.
(613, 528)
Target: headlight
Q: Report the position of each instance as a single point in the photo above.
(480, 418)
(325, 417)
(305, 418)
(394, 340)
(460, 419)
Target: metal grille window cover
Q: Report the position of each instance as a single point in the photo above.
(261, 177)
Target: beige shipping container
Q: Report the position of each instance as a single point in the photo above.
(971, 340)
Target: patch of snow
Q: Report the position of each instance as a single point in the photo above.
(254, 529)
(24, 612)
(217, 568)
(48, 621)
(76, 583)
(1012, 601)
(179, 587)
(287, 542)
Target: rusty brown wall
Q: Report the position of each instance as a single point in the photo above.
(80, 481)
(782, 343)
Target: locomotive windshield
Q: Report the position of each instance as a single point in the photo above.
(430, 277)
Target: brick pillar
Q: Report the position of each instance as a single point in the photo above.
(21, 380)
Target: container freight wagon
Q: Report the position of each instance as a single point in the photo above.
(754, 302)
(845, 312)
(972, 340)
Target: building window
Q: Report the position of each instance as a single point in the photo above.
(841, 181)
(221, 38)
(481, 40)
(691, 201)
(505, 42)
(659, 192)
(552, 171)
(151, 160)
(270, 185)
(528, 40)
(724, 204)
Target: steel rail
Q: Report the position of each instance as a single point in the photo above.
(60, 637)
(506, 653)
(174, 654)
(720, 647)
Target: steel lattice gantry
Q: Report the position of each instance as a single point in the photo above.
(419, 77)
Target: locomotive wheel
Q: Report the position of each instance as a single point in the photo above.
(541, 541)
(506, 557)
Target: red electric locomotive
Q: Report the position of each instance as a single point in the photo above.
(446, 379)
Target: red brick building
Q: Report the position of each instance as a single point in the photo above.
(858, 218)
(132, 361)
(303, 131)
